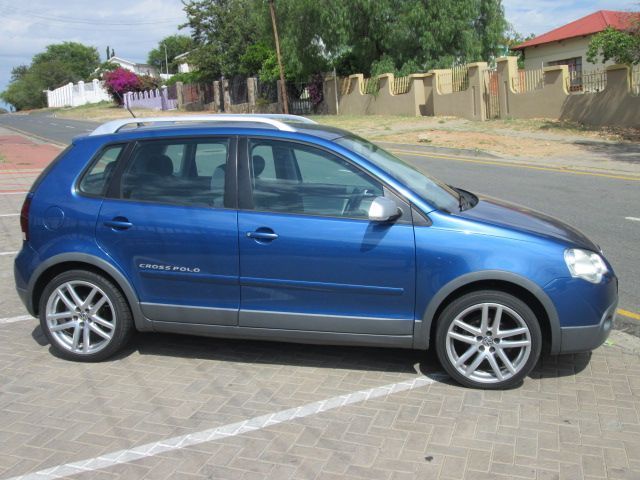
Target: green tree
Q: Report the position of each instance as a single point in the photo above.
(76, 60)
(354, 36)
(221, 30)
(611, 44)
(175, 45)
(59, 64)
(512, 39)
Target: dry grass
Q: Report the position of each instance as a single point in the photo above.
(539, 138)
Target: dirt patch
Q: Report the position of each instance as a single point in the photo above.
(496, 144)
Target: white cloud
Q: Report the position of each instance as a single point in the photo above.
(543, 15)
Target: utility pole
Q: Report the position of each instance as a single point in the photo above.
(166, 62)
(283, 88)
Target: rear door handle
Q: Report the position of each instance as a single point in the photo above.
(259, 235)
(118, 223)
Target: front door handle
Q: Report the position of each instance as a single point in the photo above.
(118, 223)
(263, 235)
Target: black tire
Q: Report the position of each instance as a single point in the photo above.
(516, 313)
(116, 303)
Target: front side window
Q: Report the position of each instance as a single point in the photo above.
(95, 181)
(186, 172)
(295, 178)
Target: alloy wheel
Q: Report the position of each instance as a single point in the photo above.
(488, 343)
(80, 317)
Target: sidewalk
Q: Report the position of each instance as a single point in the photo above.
(21, 159)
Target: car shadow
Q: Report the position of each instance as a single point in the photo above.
(317, 356)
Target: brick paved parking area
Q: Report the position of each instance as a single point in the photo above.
(174, 407)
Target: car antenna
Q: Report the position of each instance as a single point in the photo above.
(125, 105)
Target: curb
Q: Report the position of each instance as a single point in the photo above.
(34, 136)
(442, 150)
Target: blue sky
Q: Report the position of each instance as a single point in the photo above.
(133, 28)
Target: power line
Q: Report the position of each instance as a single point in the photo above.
(66, 20)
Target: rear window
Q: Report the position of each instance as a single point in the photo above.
(97, 178)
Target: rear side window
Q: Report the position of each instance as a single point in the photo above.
(179, 172)
(97, 178)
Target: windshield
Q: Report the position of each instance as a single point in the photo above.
(430, 189)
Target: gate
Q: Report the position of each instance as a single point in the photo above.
(490, 94)
(299, 99)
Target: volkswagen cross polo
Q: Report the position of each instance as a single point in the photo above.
(276, 228)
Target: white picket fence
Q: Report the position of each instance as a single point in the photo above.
(71, 95)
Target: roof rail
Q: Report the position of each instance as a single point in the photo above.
(274, 120)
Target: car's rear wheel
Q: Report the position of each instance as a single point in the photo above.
(84, 316)
(488, 339)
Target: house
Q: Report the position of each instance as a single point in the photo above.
(137, 68)
(567, 45)
(183, 63)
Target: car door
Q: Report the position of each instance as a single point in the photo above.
(170, 222)
(310, 259)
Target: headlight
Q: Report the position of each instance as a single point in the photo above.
(585, 264)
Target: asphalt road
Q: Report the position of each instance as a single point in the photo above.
(597, 205)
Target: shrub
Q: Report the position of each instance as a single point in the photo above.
(120, 81)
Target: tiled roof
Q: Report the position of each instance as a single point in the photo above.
(593, 23)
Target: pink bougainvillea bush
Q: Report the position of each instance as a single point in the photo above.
(120, 81)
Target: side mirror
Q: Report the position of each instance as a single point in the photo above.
(383, 210)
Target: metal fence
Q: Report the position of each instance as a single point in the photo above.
(299, 99)
(370, 86)
(172, 92)
(587, 82)
(528, 80)
(345, 85)
(267, 92)
(400, 85)
(238, 90)
(453, 80)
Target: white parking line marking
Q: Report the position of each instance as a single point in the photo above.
(21, 318)
(225, 431)
(69, 126)
(633, 219)
(8, 253)
(13, 193)
(10, 215)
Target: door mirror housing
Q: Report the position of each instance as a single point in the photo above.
(383, 209)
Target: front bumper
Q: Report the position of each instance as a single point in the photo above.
(586, 311)
(589, 337)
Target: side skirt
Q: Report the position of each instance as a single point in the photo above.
(280, 335)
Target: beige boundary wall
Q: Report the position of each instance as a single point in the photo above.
(385, 102)
(546, 102)
(615, 105)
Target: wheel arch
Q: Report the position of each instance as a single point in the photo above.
(508, 282)
(69, 261)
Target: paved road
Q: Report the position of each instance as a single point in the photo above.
(596, 205)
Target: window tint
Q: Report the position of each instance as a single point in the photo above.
(265, 152)
(176, 153)
(310, 181)
(180, 172)
(96, 179)
(209, 157)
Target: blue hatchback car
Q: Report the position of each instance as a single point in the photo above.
(276, 228)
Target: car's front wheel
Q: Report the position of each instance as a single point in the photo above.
(84, 316)
(488, 339)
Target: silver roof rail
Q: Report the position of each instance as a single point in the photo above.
(274, 120)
